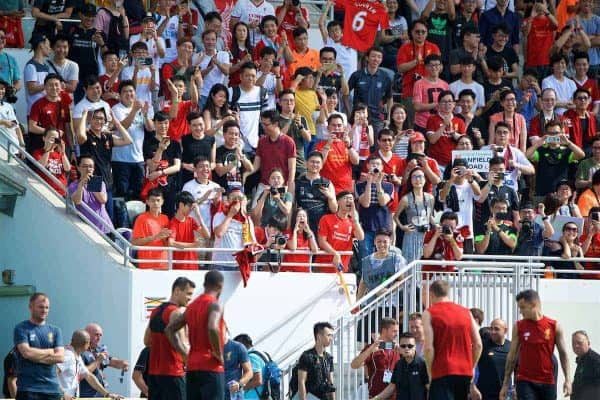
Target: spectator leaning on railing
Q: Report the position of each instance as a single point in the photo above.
(152, 229)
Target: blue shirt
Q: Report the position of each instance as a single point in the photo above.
(491, 18)
(258, 365)
(235, 354)
(373, 90)
(9, 70)
(32, 376)
(375, 217)
(85, 390)
(528, 110)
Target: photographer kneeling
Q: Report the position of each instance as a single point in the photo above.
(530, 234)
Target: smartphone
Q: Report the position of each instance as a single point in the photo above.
(386, 345)
(57, 140)
(143, 61)
(275, 63)
(95, 184)
(502, 216)
(596, 216)
(552, 139)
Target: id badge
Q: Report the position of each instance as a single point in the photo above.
(387, 376)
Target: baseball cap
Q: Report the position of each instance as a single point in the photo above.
(148, 17)
(234, 186)
(36, 39)
(563, 182)
(417, 137)
(527, 206)
(89, 10)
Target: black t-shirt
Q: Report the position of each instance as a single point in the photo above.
(83, 51)
(488, 89)
(10, 371)
(508, 54)
(491, 368)
(227, 156)
(294, 132)
(456, 55)
(172, 153)
(193, 148)
(478, 123)
(51, 7)
(142, 365)
(100, 148)
(483, 209)
(311, 199)
(410, 379)
(317, 371)
(496, 246)
(552, 166)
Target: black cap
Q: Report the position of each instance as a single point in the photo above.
(304, 71)
(563, 182)
(89, 10)
(527, 206)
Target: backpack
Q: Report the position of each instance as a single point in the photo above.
(271, 387)
(236, 93)
(293, 386)
(115, 40)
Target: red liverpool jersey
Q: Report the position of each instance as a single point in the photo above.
(362, 20)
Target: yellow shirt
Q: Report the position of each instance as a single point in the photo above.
(306, 103)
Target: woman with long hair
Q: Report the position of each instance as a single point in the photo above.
(240, 51)
(399, 125)
(216, 112)
(301, 237)
(417, 205)
(516, 121)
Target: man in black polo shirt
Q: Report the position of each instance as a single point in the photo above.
(586, 382)
(315, 194)
(492, 361)
(500, 237)
(372, 87)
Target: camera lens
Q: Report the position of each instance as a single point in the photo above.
(375, 170)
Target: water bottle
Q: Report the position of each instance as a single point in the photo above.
(239, 395)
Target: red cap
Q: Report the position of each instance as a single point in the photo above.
(417, 137)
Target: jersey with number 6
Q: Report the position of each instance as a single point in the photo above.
(362, 20)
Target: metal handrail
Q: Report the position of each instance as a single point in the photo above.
(11, 142)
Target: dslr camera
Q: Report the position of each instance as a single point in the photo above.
(446, 230)
(526, 230)
(274, 191)
(296, 3)
(280, 239)
(422, 228)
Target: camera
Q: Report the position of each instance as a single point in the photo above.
(57, 140)
(275, 63)
(10, 95)
(274, 191)
(526, 230)
(376, 170)
(280, 239)
(552, 139)
(144, 61)
(296, 3)
(422, 228)
(502, 216)
(446, 230)
(103, 349)
(386, 345)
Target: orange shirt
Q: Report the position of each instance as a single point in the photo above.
(183, 231)
(147, 225)
(308, 59)
(587, 200)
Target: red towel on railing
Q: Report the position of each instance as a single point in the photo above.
(246, 259)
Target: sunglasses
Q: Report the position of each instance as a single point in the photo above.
(570, 229)
(407, 346)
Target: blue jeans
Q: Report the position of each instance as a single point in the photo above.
(366, 246)
(535, 391)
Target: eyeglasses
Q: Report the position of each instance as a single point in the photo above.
(419, 32)
(570, 229)
(407, 346)
(582, 98)
(436, 65)
(99, 118)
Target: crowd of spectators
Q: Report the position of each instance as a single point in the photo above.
(243, 134)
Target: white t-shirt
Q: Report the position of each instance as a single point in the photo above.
(34, 72)
(169, 35)
(215, 75)
(247, 12)
(564, 90)
(458, 86)
(270, 85)
(489, 4)
(8, 112)
(346, 56)
(512, 179)
(69, 71)
(198, 190)
(250, 107)
(86, 105)
(132, 153)
(465, 205)
(232, 239)
(70, 372)
(142, 87)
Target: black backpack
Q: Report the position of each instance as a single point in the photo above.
(293, 386)
(115, 40)
(236, 93)
(157, 325)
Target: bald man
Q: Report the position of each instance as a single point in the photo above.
(493, 359)
(586, 383)
(72, 369)
(96, 358)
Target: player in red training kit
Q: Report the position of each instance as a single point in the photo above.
(452, 345)
(166, 372)
(533, 341)
(205, 373)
